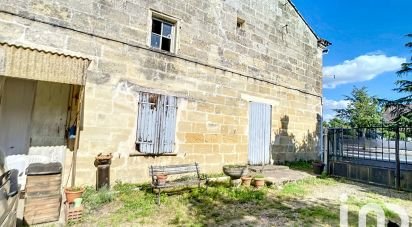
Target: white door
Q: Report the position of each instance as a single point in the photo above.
(260, 124)
(16, 109)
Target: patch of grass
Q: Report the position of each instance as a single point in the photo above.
(305, 186)
(293, 189)
(93, 199)
(227, 194)
(318, 214)
(300, 165)
(222, 204)
(136, 200)
(373, 200)
(212, 175)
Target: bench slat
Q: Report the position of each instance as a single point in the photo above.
(171, 170)
(179, 183)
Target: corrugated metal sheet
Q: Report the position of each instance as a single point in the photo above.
(27, 63)
(260, 122)
(156, 123)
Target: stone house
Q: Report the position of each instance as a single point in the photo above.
(159, 82)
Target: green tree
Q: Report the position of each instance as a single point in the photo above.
(337, 123)
(401, 108)
(362, 111)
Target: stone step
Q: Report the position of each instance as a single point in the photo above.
(268, 168)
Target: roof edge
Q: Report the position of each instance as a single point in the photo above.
(310, 28)
(22, 46)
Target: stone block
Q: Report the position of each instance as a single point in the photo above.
(231, 158)
(197, 116)
(195, 138)
(14, 31)
(213, 138)
(185, 126)
(50, 9)
(111, 67)
(203, 148)
(83, 45)
(205, 107)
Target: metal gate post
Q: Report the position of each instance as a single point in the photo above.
(326, 149)
(398, 163)
(334, 152)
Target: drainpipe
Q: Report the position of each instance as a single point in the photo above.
(321, 132)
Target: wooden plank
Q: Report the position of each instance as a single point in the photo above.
(53, 184)
(53, 177)
(37, 220)
(51, 211)
(180, 165)
(173, 169)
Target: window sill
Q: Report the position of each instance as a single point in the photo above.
(170, 53)
(135, 154)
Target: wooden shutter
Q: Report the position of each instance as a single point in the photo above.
(156, 124)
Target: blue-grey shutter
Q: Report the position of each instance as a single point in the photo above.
(156, 123)
(260, 124)
(146, 130)
(167, 119)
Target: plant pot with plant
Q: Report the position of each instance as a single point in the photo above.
(318, 167)
(161, 179)
(73, 193)
(246, 180)
(259, 181)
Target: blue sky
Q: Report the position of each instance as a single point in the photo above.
(368, 39)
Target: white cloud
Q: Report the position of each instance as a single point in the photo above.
(328, 116)
(330, 105)
(333, 104)
(362, 68)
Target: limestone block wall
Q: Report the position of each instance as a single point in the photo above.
(216, 70)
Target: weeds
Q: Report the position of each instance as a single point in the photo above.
(220, 204)
(305, 186)
(300, 165)
(93, 200)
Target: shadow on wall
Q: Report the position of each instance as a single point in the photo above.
(286, 148)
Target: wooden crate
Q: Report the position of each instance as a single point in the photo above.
(73, 214)
(42, 209)
(43, 185)
(42, 198)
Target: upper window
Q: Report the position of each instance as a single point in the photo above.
(162, 36)
(156, 124)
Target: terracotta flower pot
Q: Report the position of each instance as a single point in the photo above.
(72, 194)
(259, 182)
(161, 179)
(246, 180)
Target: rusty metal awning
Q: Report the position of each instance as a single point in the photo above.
(29, 63)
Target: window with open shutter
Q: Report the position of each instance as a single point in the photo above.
(156, 124)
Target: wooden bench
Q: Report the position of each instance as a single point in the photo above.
(175, 170)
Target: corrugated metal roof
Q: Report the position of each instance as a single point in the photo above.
(42, 51)
(34, 64)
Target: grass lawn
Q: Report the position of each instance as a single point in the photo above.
(309, 202)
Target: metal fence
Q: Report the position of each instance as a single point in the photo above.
(378, 155)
